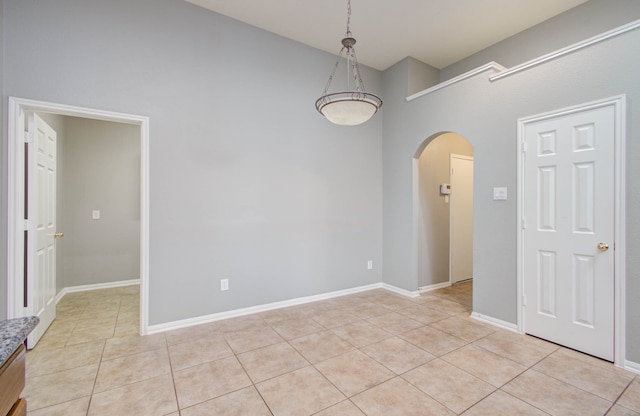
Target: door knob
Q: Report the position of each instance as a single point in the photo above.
(57, 235)
(603, 246)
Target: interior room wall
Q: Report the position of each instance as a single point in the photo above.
(434, 217)
(486, 113)
(101, 172)
(250, 185)
(582, 22)
(247, 181)
(421, 76)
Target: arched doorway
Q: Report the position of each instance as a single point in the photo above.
(443, 211)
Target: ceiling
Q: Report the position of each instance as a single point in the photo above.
(437, 32)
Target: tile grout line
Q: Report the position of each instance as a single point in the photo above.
(438, 401)
(104, 347)
(615, 402)
(95, 381)
(496, 388)
(572, 385)
(173, 379)
(253, 384)
(523, 401)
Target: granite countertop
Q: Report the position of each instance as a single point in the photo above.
(13, 332)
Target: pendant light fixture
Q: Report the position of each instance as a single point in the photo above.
(353, 106)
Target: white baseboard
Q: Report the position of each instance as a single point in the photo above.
(434, 286)
(184, 323)
(631, 366)
(495, 322)
(400, 291)
(83, 288)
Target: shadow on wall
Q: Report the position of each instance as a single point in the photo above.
(433, 226)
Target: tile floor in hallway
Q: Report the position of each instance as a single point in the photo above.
(372, 353)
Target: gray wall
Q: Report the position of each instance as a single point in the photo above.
(101, 172)
(582, 22)
(486, 113)
(434, 218)
(421, 76)
(248, 182)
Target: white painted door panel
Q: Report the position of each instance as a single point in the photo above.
(568, 204)
(461, 219)
(41, 255)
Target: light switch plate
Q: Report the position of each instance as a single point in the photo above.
(500, 194)
(95, 214)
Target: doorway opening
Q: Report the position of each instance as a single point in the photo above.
(17, 258)
(443, 212)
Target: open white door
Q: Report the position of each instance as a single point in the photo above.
(568, 229)
(41, 225)
(461, 219)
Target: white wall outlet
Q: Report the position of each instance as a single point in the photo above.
(95, 214)
(224, 284)
(370, 265)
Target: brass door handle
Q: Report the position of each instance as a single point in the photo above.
(603, 246)
(57, 235)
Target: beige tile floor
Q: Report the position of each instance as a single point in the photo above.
(372, 353)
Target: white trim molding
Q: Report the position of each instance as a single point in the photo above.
(435, 286)
(400, 291)
(501, 72)
(184, 323)
(631, 366)
(495, 322)
(620, 220)
(567, 50)
(18, 107)
(491, 66)
(97, 286)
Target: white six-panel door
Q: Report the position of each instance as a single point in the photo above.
(41, 269)
(568, 230)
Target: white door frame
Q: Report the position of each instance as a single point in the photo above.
(15, 209)
(619, 104)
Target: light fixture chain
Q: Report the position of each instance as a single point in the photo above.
(348, 18)
(356, 71)
(333, 73)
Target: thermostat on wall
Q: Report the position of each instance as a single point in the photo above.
(445, 189)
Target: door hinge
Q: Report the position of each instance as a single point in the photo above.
(523, 224)
(28, 137)
(26, 225)
(524, 146)
(524, 300)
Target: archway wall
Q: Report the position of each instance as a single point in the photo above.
(433, 214)
(486, 113)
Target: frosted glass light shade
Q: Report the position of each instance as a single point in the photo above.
(348, 108)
